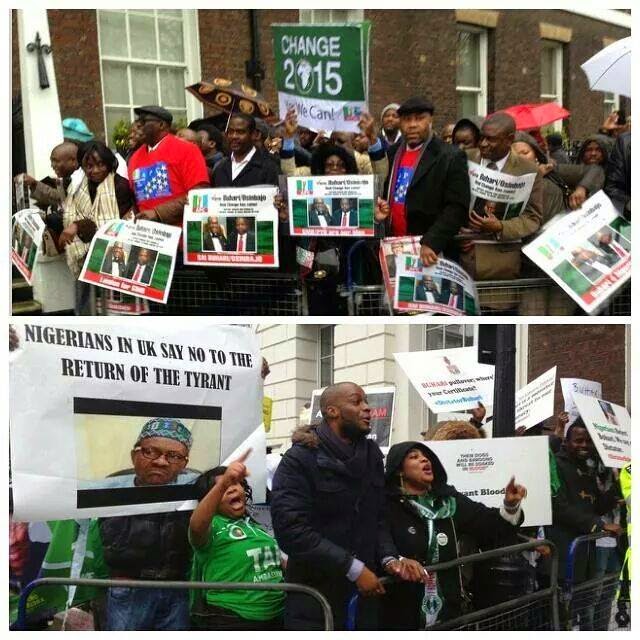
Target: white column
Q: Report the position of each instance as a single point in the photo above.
(42, 121)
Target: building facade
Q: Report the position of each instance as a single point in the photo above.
(305, 357)
(471, 62)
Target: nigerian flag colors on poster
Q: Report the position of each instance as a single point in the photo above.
(323, 71)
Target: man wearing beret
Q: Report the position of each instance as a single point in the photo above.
(164, 169)
(428, 186)
(150, 546)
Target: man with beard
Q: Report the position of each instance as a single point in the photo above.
(326, 506)
(579, 506)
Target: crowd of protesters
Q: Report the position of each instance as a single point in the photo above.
(342, 518)
(422, 188)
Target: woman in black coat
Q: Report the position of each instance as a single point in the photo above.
(424, 518)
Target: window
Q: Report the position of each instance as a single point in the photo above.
(551, 75)
(317, 16)
(471, 71)
(144, 58)
(325, 355)
(611, 103)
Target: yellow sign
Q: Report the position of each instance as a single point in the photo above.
(267, 406)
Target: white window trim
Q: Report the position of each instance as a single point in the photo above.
(481, 91)
(191, 64)
(307, 16)
(319, 352)
(558, 62)
(615, 104)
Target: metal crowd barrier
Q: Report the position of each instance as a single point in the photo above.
(537, 611)
(21, 620)
(589, 604)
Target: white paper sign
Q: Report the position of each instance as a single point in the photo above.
(610, 428)
(534, 403)
(482, 468)
(97, 386)
(27, 231)
(449, 379)
(577, 385)
(587, 252)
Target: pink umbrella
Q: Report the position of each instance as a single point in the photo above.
(534, 116)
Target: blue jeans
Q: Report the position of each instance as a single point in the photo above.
(147, 609)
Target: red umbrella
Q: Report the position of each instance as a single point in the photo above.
(534, 116)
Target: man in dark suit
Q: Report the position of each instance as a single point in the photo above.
(346, 215)
(247, 166)
(242, 240)
(319, 214)
(428, 186)
(213, 238)
(140, 271)
(426, 290)
(454, 298)
(115, 263)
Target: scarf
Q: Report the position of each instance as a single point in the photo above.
(355, 456)
(431, 508)
(103, 209)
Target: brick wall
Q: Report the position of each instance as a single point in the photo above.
(593, 352)
(74, 38)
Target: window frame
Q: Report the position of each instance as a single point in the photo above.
(308, 16)
(614, 103)
(483, 53)
(320, 358)
(190, 65)
(558, 71)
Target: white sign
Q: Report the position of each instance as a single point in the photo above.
(231, 227)
(587, 252)
(534, 403)
(28, 228)
(97, 385)
(610, 428)
(449, 379)
(136, 258)
(577, 385)
(482, 468)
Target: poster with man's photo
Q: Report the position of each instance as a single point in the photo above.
(238, 227)
(331, 206)
(609, 426)
(444, 288)
(587, 252)
(26, 237)
(381, 402)
(128, 417)
(136, 258)
(499, 194)
(390, 248)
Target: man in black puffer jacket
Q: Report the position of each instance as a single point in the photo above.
(150, 546)
(326, 507)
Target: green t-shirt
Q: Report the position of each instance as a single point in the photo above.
(240, 551)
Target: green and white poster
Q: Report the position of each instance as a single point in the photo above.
(323, 71)
(136, 258)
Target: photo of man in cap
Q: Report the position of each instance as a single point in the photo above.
(428, 187)
(150, 546)
(164, 168)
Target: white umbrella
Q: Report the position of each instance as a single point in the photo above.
(610, 69)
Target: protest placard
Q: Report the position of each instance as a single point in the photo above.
(114, 303)
(482, 468)
(449, 380)
(26, 237)
(503, 195)
(534, 402)
(444, 288)
(331, 206)
(587, 252)
(323, 71)
(570, 386)
(389, 249)
(231, 227)
(136, 258)
(381, 402)
(609, 426)
(101, 388)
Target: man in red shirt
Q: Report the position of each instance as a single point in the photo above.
(428, 186)
(164, 169)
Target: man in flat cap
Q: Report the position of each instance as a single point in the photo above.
(151, 546)
(428, 186)
(164, 168)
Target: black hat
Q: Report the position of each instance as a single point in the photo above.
(398, 452)
(415, 105)
(158, 112)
